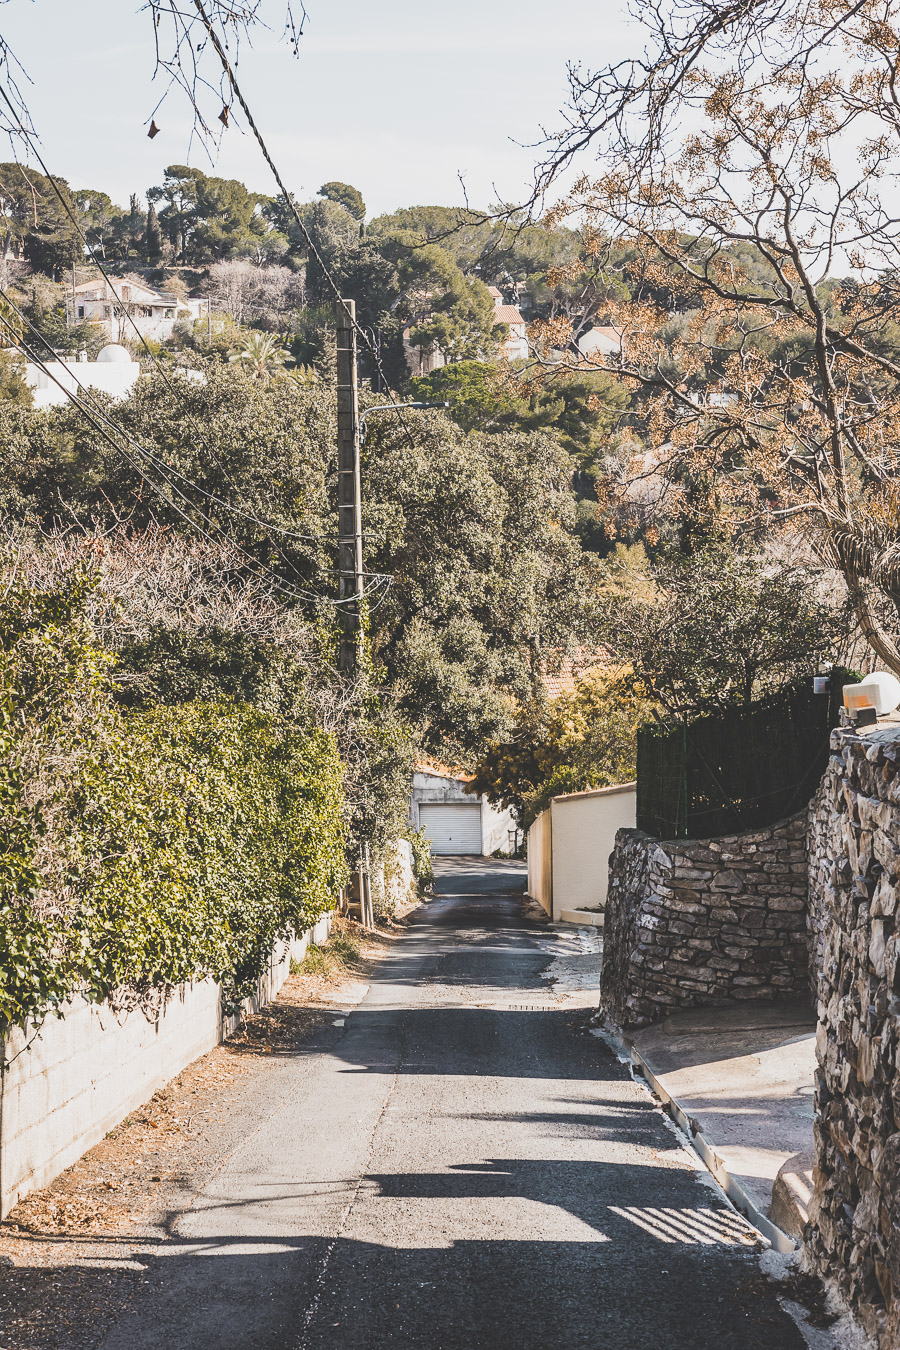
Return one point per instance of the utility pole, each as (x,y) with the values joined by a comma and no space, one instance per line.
(350,535)
(349,515)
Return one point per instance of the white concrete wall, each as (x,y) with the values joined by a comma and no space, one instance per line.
(66,1085)
(394,881)
(497,829)
(584,828)
(113,377)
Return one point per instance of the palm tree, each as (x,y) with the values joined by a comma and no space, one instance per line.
(303,377)
(264,353)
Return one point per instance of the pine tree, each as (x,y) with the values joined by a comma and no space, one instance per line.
(152,236)
(135,223)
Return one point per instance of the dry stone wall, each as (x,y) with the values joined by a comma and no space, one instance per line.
(701,923)
(854,1230)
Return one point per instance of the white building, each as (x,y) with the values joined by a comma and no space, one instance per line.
(599,342)
(113,372)
(514,346)
(456,822)
(123,306)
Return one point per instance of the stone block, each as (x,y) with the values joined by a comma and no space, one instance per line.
(787,903)
(887,852)
(727,880)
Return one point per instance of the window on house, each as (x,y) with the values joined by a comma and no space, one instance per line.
(81,311)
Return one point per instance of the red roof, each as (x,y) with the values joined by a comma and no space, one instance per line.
(438,770)
(565,680)
(507,314)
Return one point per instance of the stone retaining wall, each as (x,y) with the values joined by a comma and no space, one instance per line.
(702,923)
(854,1231)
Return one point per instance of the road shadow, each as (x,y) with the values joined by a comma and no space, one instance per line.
(628,1291)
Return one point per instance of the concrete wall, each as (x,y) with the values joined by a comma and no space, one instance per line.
(112,377)
(540,861)
(66,1085)
(584,835)
(854,1232)
(394,881)
(700,923)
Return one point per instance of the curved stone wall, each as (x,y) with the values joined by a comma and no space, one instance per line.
(699,923)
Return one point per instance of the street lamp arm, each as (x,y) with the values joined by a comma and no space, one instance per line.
(388,407)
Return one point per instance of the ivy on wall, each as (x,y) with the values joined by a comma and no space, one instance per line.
(146,847)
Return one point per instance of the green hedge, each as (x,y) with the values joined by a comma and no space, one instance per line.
(219,829)
(142,848)
(196,837)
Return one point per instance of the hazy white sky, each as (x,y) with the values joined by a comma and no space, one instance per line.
(397,98)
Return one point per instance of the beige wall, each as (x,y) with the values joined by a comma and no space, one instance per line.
(540,856)
(584,828)
(65,1086)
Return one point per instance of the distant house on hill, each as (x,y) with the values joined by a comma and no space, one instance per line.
(600,341)
(514,346)
(421,360)
(124,304)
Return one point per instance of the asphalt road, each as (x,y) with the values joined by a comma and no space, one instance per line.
(460,1165)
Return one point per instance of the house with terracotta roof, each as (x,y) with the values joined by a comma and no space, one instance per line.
(514,346)
(599,342)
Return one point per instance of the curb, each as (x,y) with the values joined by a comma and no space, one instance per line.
(778,1240)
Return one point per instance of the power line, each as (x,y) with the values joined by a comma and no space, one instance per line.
(371,347)
(164,468)
(30,136)
(292,207)
(102,423)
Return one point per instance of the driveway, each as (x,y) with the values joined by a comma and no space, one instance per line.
(459,1164)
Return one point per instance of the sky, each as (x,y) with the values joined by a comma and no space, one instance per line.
(399,98)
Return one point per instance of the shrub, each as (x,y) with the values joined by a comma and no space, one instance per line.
(421,859)
(585,739)
(209,832)
(146,847)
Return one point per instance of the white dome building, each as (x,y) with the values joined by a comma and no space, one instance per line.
(113,352)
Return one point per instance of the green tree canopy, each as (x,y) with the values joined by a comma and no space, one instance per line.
(347,196)
(487,576)
(721,628)
(34,219)
(207,219)
(579,740)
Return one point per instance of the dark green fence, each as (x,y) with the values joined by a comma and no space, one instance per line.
(739,769)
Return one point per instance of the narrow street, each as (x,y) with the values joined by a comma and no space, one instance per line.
(457,1165)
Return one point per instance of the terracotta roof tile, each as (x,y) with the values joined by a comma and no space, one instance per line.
(433,766)
(507,314)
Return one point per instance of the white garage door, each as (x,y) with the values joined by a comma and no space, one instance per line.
(452,829)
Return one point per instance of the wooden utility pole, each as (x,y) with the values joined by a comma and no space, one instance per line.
(349,515)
